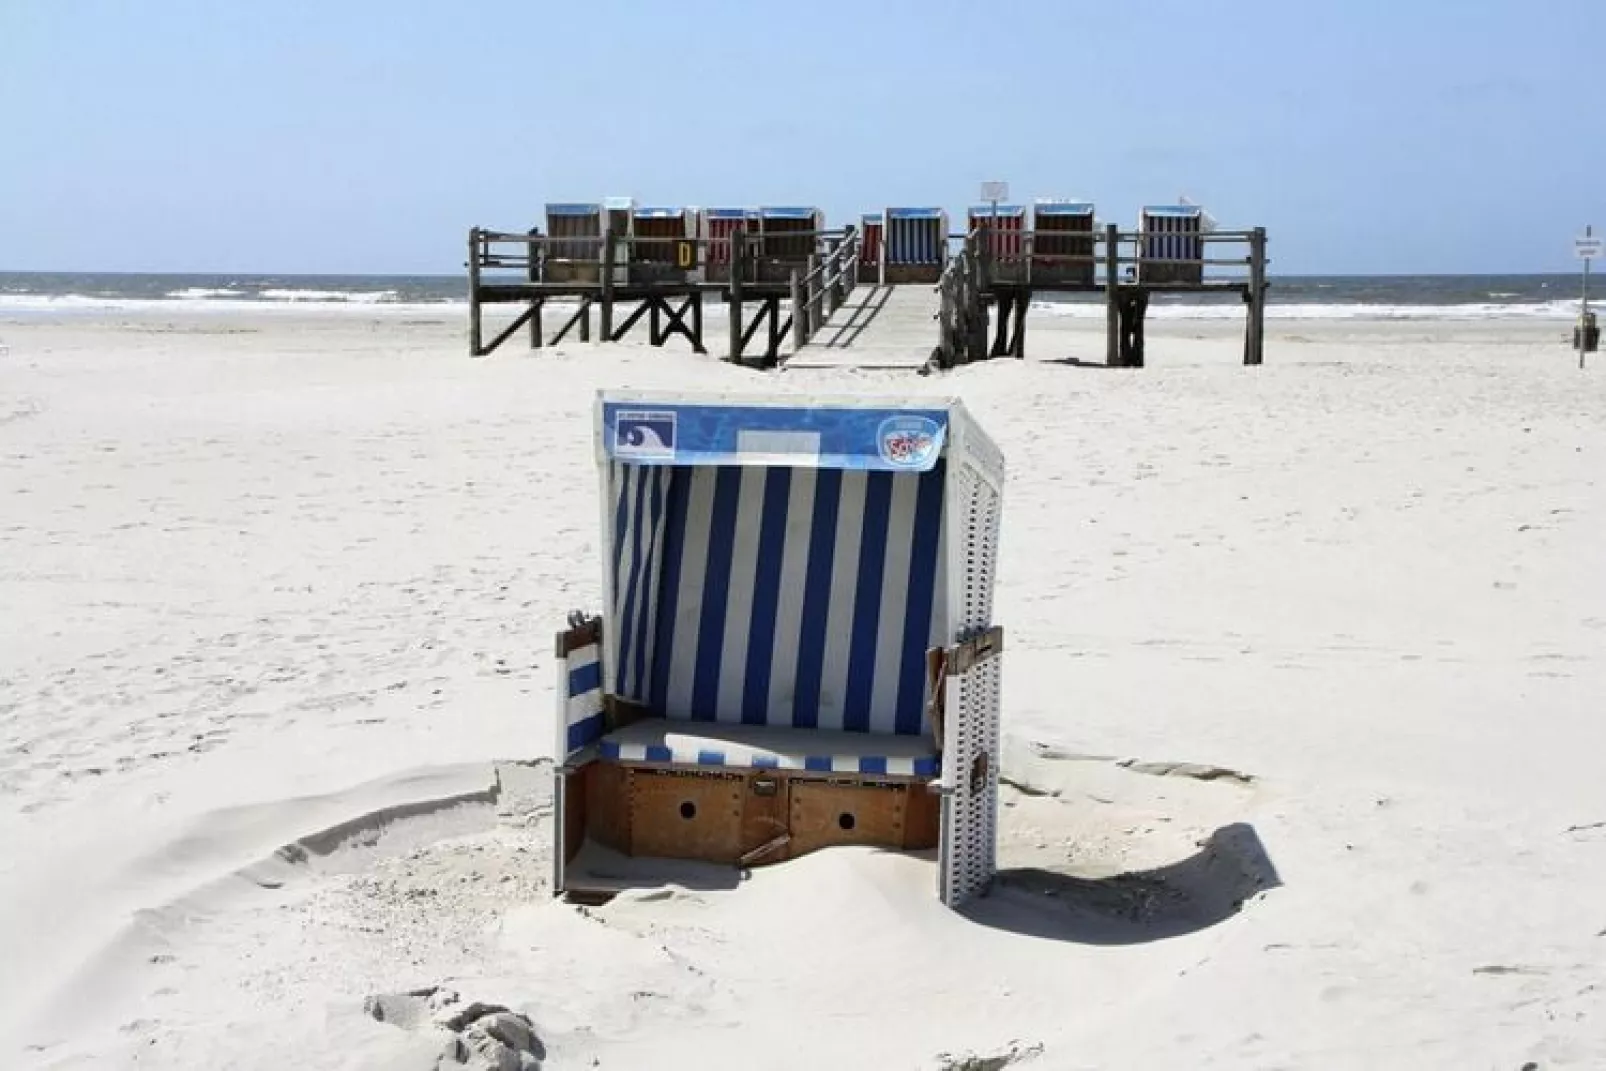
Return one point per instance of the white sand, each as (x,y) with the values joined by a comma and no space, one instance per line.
(291,580)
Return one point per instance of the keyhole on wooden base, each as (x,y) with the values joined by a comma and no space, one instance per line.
(846,821)
(688,810)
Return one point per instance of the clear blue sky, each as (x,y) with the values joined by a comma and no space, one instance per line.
(358,136)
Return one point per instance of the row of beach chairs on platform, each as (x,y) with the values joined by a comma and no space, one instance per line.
(1050,242)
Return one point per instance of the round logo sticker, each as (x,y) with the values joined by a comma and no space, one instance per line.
(907,441)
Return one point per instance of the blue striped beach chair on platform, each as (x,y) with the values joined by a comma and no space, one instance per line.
(1170,246)
(797,649)
(914,245)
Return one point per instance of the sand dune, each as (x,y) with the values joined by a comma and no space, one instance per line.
(1303,693)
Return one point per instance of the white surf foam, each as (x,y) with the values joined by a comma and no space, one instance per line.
(1548,310)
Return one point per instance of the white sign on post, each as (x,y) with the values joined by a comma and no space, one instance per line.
(993,192)
(1588,248)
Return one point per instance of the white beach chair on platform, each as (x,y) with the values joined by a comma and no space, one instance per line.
(798,648)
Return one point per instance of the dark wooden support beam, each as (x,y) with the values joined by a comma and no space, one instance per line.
(800,334)
(1018,345)
(738,256)
(532,272)
(582,316)
(675,321)
(606,318)
(752,328)
(1112,296)
(507,332)
(630,321)
(1255,329)
(1001,341)
(772,352)
(475,349)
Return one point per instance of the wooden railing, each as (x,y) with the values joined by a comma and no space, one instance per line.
(821,290)
(961,312)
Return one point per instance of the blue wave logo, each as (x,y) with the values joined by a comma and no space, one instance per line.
(644,434)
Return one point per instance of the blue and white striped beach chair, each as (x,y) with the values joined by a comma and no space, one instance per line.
(797,648)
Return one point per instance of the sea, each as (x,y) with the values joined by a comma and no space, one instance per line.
(1401,297)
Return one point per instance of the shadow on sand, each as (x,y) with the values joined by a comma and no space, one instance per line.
(1184,897)
(1077,362)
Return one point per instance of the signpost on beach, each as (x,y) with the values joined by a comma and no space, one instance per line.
(1586,248)
(992,193)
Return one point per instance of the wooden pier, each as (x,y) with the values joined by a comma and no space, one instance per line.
(779,294)
(977,289)
(771,302)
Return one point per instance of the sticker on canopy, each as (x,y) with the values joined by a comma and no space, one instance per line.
(644,433)
(908,442)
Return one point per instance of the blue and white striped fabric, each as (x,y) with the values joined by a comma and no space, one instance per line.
(776,596)
(768,749)
(1172,232)
(580,699)
(639,498)
(915,235)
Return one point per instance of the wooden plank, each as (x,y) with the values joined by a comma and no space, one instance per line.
(766,799)
(922,822)
(607,807)
(691,815)
(582,632)
(965,656)
(824,814)
(576,798)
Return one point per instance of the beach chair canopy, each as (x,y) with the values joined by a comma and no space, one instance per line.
(776,563)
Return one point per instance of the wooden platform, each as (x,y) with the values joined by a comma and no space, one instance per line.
(744,817)
(878,327)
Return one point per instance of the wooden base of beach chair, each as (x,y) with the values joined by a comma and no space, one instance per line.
(752,817)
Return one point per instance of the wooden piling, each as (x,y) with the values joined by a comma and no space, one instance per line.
(813,290)
(532,272)
(606,316)
(1021,305)
(738,255)
(772,352)
(800,336)
(475,347)
(1112,295)
(697,323)
(1255,329)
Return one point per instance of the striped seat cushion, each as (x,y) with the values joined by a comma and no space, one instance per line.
(764,747)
